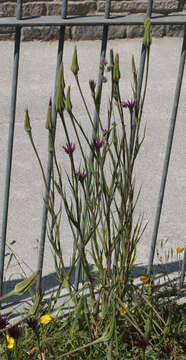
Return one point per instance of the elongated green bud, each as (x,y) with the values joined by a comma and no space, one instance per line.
(27,122)
(147,33)
(116,72)
(50,143)
(48,124)
(68,104)
(24,285)
(111,58)
(134,72)
(33,309)
(60,100)
(60,95)
(75,66)
(60,77)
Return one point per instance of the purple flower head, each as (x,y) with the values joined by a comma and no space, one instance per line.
(32,323)
(128,104)
(142,343)
(167,348)
(69,148)
(92,84)
(97,144)
(15,331)
(3,322)
(81,175)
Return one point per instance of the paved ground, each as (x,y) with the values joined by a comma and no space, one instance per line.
(36,83)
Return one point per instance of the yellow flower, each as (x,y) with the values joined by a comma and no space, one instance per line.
(147,285)
(179,249)
(144,278)
(45,319)
(9,343)
(123,310)
(72,332)
(132,256)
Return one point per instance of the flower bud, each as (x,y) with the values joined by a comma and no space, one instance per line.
(147,34)
(75,66)
(48,124)
(116,72)
(111,59)
(60,95)
(68,104)
(27,122)
(24,285)
(50,143)
(60,78)
(60,100)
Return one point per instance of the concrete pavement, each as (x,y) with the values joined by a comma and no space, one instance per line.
(36,84)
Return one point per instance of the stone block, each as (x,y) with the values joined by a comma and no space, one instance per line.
(174,30)
(34,9)
(86,32)
(117,32)
(135,31)
(74,8)
(43,33)
(135,6)
(8,9)
(158,30)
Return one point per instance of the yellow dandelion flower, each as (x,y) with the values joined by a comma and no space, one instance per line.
(45,319)
(147,285)
(144,278)
(72,332)
(179,249)
(123,310)
(9,342)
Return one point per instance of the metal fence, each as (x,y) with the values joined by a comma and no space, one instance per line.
(62,21)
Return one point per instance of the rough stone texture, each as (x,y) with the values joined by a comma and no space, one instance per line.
(89,7)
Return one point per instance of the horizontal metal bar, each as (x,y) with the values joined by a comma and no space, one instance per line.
(92,20)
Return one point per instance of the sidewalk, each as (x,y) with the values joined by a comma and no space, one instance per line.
(36,84)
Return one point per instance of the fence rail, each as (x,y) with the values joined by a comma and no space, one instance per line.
(18,22)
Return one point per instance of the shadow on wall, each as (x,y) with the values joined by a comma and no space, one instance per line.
(50,282)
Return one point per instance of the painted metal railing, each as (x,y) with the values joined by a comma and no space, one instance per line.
(62,21)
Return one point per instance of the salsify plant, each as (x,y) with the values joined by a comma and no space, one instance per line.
(98,193)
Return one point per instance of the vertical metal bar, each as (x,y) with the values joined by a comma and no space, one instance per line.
(168,151)
(140,76)
(49,166)
(10,146)
(19,10)
(183,269)
(99,86)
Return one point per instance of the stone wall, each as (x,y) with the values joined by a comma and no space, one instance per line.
(89,7)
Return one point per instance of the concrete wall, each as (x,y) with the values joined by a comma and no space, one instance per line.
(85,7)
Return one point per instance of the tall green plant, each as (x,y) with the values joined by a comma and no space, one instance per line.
(101,200)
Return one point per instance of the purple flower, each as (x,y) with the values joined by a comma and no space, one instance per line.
(69,148)
(81,175)
(32,323)
(142,343)
(3,322)
(92,84)
(167,348)
(97,144)
(128,104)
(15,331)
